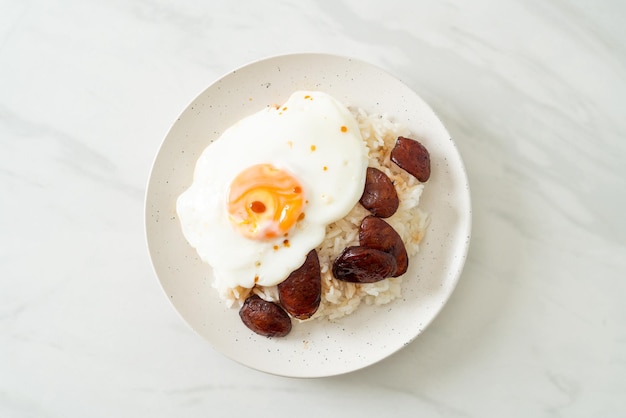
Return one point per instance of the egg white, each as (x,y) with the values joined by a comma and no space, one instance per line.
(304,137)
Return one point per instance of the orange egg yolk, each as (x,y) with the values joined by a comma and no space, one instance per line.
(264,202)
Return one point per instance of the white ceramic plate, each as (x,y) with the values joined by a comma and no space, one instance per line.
(315,348)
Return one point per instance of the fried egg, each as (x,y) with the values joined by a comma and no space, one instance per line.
(265,190)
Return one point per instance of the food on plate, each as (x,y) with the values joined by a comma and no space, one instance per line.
(379,195)
(265,318)
(413,157)
(286,207)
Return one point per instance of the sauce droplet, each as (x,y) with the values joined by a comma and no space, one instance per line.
(344,129)
(257,207)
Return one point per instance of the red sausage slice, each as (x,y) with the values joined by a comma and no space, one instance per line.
(300,294)
(412,157)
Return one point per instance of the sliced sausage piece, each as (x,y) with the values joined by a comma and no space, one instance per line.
(265,318)
(378,234)
(359,264)
(300,293)
(412,157)
(379,196)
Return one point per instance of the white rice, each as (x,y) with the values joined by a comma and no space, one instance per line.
(342,298)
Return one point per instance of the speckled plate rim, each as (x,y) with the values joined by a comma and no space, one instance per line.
(314,348)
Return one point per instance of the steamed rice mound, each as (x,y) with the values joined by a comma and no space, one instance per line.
(342,298)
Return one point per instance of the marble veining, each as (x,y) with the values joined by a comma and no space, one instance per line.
(533,95)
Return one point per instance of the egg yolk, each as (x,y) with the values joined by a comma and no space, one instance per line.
(264,202)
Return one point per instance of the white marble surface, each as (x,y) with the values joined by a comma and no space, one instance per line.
(534,94)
